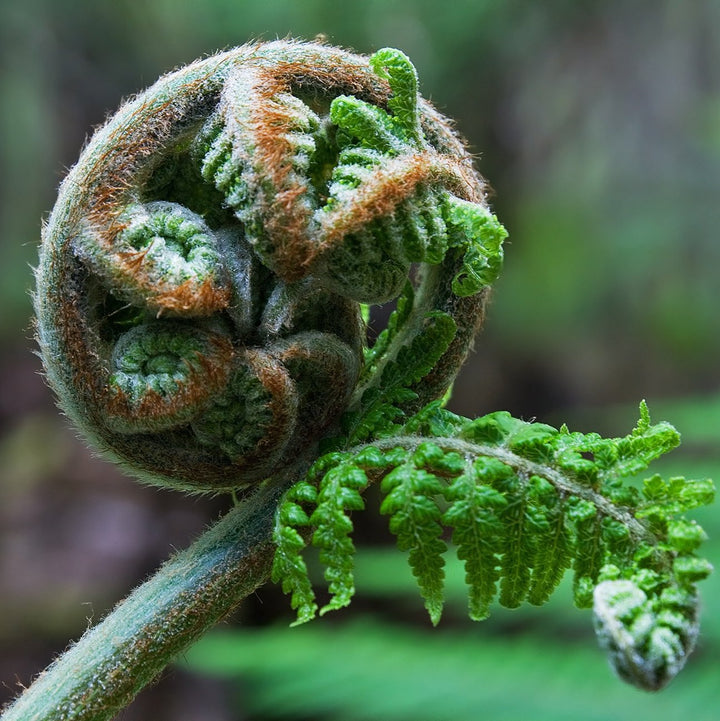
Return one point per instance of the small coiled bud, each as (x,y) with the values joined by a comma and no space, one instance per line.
(164,373)
(648,636)
(200,275)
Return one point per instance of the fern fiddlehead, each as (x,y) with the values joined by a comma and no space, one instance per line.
(198,314)
(199,281)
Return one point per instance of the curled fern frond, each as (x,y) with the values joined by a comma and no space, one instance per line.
(200,278)
(201,304)
(648,634)
(526,502)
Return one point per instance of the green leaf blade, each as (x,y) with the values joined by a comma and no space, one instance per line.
(553,555)
(415,520)
(338,493)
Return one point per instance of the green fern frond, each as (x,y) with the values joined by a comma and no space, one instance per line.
(479,233)
(554,551)
(523,520)
(663,498)
(589,549)
(395,67)
(415,361)
(380,409)
(524,502)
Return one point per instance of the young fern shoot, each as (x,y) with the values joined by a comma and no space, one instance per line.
(201,305)
(524,503)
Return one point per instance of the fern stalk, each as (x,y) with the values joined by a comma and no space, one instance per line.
(103,671)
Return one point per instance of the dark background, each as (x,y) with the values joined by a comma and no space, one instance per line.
(597,124)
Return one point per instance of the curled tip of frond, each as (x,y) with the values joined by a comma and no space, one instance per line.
(648,636)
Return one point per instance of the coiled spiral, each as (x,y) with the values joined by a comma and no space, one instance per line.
(200,276)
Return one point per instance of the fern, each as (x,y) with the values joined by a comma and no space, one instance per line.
(477,529)
(553,555)
(415,519)
(289,567)
(246,206)
(380,406)
(395,323)
(522,520)
(524,503)
(338,493)
(424,227)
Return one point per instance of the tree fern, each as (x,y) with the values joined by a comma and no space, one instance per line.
(523,519)
(199,304)
(289,567)
(554,552)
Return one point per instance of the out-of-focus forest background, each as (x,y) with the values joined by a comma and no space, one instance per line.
(597,123)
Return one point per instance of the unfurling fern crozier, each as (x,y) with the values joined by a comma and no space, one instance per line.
(523,503)
(200,278)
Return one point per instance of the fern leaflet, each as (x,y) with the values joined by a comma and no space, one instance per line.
(415,520)
(338,493)
(477,529)
(289,567)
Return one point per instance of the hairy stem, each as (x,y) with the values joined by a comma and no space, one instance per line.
(98,676)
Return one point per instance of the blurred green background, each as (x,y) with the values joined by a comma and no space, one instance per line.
(597,123)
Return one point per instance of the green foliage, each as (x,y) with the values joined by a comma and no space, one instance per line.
(381,405)
(395,67)
(415,519)
(338,493)
(425,226)
(395,323)
(477,530)
(525,502)
(289,567)
(483,257)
